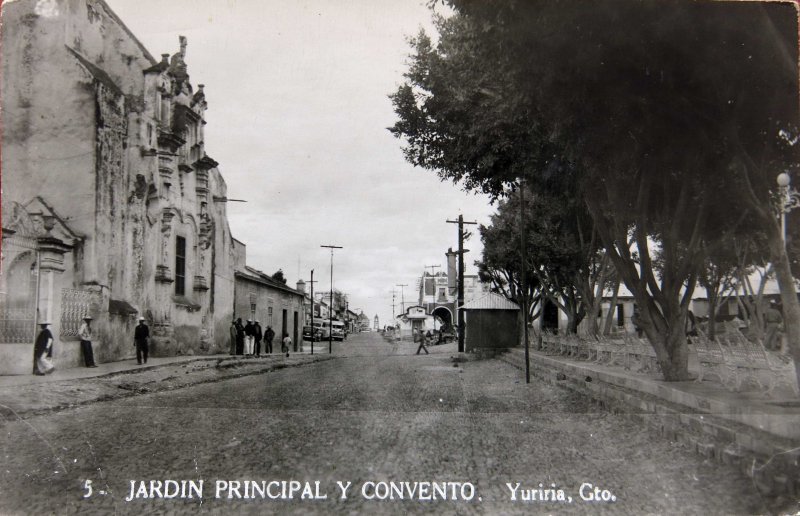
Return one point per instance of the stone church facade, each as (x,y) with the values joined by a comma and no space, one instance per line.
(111,206)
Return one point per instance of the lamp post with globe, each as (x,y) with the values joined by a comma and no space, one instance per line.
(789,200)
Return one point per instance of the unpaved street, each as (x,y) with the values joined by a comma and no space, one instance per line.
(375,414)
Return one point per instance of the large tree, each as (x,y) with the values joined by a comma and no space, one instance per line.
(667,113)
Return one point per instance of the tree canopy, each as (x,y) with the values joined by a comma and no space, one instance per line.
(279,277)
(661,117)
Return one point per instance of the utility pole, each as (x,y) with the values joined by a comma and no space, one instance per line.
(330,308)
(312,311)
(394,292)
(460,302)
(402,297)
(433,277)
(523,287)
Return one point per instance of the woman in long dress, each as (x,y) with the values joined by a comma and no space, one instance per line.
(42,346)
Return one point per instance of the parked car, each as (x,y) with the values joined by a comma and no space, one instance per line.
(320,328)
(337,330)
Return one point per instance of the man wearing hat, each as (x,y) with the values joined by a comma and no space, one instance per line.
(43,346)
(258,336)
(249,337)
(85,334)
(141,335)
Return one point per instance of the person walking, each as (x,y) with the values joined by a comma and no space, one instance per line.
(772,321)
(249,337)
(239,337)
(422,341)
(85,334)
(268,336)
(233,337)
(286,344)
(141,338)
(43,347)
(258,336)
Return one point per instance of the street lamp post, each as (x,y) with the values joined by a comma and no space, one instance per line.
(789,200)
(330,308)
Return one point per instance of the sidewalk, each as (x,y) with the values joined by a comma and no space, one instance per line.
(110,368)
(26,395)
(126,366)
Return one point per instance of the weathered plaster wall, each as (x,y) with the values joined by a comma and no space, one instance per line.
(47,118)
(81,130)
(221,280)
(267,297)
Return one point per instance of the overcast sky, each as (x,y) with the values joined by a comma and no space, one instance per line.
(297,117)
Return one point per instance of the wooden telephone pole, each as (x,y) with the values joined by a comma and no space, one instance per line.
(460,302)
(433,277)
(402,297)
(330,308)
(312,311)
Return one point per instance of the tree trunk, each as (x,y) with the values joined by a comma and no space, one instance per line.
(671,350)
(712,313)
(612,309)
(676,368)
(668,338)
(572,323)
(791,307)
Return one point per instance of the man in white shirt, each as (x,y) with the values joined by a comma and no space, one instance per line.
(85,334)
(286,344)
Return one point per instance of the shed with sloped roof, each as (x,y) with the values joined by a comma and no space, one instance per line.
(492,322)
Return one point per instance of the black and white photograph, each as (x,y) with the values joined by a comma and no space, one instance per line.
(400,257)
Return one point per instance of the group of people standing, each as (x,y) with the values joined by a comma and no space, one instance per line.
(43,346)
(246,339)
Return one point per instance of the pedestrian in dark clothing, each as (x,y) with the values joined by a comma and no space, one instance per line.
(422,341)
(268,336)
(239,337)
(233,338)
(259,336)
(141,338)
(85,334)
(43,347)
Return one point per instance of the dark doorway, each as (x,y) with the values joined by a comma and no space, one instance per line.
(285,326)
(444,315)
(295,337)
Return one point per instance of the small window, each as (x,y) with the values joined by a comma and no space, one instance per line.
(180,266)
